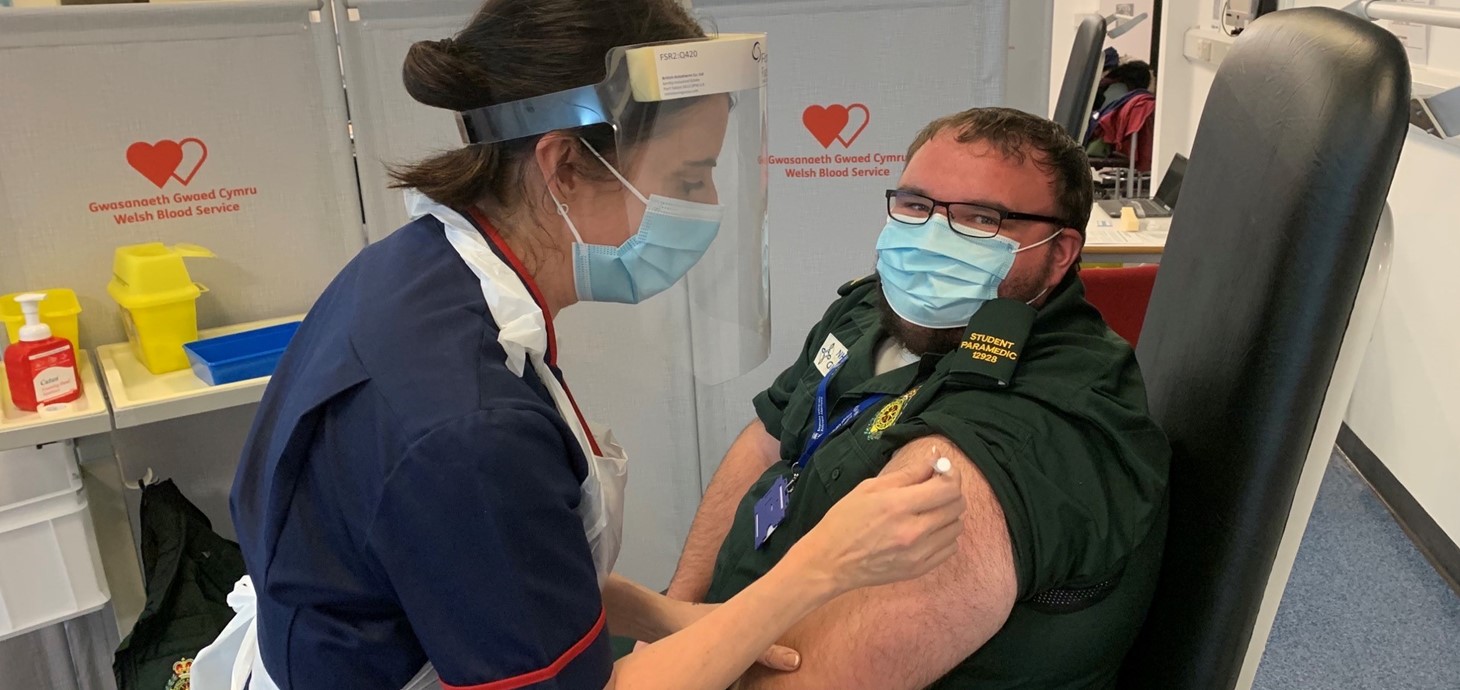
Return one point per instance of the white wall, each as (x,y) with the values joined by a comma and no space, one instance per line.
(1445,45)
(1406,406)
(1182,85)
(1136,43)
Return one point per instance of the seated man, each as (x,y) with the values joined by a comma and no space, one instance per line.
(973,342)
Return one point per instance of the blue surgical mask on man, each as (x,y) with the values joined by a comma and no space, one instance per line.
(672,237)
(935,278)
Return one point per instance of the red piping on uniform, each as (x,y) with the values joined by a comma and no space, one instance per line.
(592,440)
(543,674)
(521,270)
(490,231)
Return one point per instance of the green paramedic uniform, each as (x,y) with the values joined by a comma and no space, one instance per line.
(1051,408)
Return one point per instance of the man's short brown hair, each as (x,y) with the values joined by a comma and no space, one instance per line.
(1017,134)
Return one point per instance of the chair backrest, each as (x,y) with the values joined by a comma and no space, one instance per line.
(1121,295)
(1082,75)
(1253,324)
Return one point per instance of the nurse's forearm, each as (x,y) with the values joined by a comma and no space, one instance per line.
(753,452)
(714,651)
(636,612)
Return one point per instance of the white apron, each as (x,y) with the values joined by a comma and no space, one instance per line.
(233,659)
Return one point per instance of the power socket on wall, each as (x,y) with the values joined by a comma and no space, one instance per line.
(1206,46)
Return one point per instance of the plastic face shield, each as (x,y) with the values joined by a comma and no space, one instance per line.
(689,124)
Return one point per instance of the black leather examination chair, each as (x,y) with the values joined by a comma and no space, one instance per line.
(1266,298)
(1082,76)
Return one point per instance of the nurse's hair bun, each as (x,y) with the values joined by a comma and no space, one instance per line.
(516,49)
(436,73)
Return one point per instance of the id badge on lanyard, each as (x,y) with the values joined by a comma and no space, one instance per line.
(770,510)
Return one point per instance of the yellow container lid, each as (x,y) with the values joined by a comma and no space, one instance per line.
(145,275)
(59,303)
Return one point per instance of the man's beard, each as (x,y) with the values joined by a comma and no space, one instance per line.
(921,340)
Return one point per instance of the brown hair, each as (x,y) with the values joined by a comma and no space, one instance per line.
(1017,134)
(516,49)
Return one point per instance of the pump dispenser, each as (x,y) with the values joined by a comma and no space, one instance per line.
(41,368)
(34,329)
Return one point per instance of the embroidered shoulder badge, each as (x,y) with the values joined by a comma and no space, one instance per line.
(182,673)
(889,415)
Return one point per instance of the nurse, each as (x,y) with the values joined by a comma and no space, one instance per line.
(420,502)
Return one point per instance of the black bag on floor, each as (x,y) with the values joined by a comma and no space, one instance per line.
(189,571)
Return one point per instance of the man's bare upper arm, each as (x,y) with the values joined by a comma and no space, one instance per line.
(909,634)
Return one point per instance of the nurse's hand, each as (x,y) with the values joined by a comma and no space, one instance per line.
(894,527)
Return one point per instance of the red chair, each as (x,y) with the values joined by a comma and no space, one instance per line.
(1121,296)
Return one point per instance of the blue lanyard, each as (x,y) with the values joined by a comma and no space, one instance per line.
(821,432)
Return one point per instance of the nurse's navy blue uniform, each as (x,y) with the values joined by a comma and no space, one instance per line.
(404,496)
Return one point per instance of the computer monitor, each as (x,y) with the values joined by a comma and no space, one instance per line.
(1444,109)
(1159,206)
(1170,185)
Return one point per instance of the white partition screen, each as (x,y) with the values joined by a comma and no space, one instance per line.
(852,82)
(220,124)
(216,123)
(389,126)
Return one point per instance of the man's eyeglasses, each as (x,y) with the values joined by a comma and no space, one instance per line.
(969,220)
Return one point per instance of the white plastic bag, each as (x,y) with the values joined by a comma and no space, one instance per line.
(602,507)
(232,662)
(233,658)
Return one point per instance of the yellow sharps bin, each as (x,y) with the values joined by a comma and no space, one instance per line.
(159,301)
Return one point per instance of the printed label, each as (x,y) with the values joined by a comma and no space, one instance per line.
(57,374)
(832,353)
(726,64)
(55,382)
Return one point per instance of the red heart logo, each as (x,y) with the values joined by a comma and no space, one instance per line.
(866,120)
(826,124)
(195,156)
(162,161)
(156,161)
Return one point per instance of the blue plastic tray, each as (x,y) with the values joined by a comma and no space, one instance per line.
(241,356)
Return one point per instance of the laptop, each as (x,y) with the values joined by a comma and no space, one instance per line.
(1159,206)
(1438,114)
